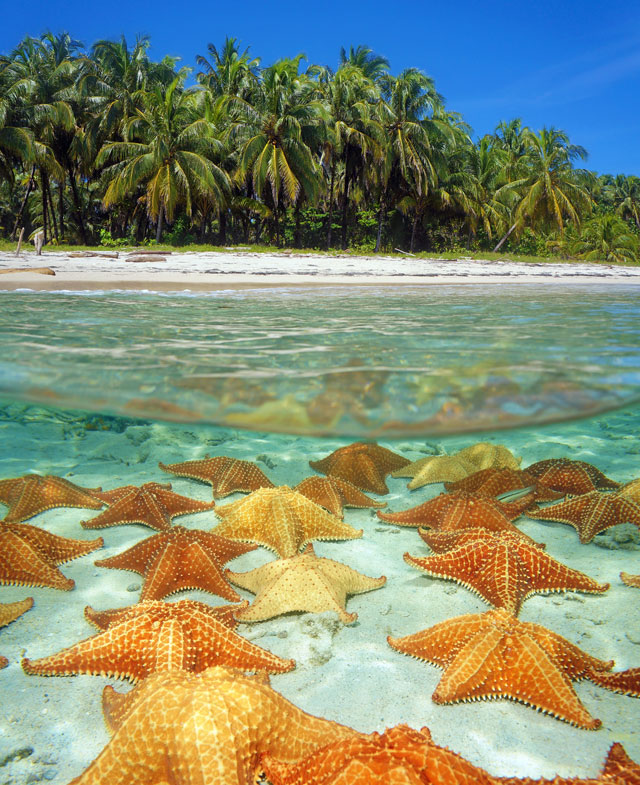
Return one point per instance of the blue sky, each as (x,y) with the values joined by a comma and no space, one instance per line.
(574,65)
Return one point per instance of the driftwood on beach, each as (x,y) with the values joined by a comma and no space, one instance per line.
(83,254)
(148,252)
(146,258)
(39,270)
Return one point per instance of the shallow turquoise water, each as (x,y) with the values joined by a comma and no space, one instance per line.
(517,356)
(362,363)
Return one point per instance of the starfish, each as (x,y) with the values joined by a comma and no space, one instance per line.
(494,482)
(152,504)
(33,493)
(281,520)
(30,556)
(630,580)
(618,769)
(458,510)
(450,468)
(501,567)
(625,682)
(153,637)
(398,756)
(225,475)
(202,729)
(631,491)
(494,655)
(591,513)
(9,612)
(302,582)
(333,494)
(570,477)
(363,465)
(180,559)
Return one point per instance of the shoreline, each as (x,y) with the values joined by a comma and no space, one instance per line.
(217,271)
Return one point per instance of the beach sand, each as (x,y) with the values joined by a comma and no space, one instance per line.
(207,271)
(51,728)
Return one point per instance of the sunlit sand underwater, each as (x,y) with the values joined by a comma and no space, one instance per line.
(52,728)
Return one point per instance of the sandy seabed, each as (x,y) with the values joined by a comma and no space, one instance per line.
(51,728)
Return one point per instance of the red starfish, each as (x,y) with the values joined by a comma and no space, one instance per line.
(363,465)
(494,482)
(180,559)
(33,493)
(591,513)
(501,567)
(333,494)
(29,556)
(152,504)
(570,477)
(225,475)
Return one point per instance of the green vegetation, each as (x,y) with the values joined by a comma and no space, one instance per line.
(106,147)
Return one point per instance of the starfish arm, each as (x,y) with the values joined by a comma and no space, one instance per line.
(10,611)
(351,581)
(322,492)
(439,644)
(260,578)
(22,564)
(58,550)
(124,651)
(242,476)
(134,559)
(545,574)
(167,505)
(32,494)
(203,470)
(625,682)
(630,580)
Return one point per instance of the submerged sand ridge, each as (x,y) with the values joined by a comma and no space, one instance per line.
(202,271)
(344,673)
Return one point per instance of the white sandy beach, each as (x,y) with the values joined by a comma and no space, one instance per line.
(198,271)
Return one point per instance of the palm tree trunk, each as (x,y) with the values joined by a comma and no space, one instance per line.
(413,233)
(159,225)
(296,231)
(499,245)
(30,185)
(330,216)
(277,223)
(51,210)
(345,201)
(76,203)
(44,207)
(381,216)
(61,208)
(222,237)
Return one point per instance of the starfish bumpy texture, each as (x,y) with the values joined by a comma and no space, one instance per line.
(334,494)
(153,637)
(180,559)
(281,520)
(494,655)
(32,494)
(225,475)
(303,582)
(203,729)
(10,611)
(571,477)
(362,464)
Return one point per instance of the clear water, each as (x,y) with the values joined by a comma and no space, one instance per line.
(428,364)
(429,360)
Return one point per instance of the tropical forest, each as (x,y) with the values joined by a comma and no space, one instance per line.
(104,146)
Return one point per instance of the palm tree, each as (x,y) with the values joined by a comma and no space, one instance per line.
(624,192)
(548,190)
(169,149)
(607,237)
(276,131)
(228,72)
(373,66)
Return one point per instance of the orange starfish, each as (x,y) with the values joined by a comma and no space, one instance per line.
(625,682)
(180,559)
(500,567)
(225,475)
(152,504)
(591,513)
(334,494)
(281,520)
(630,580)
(494,482)
(29,556)
(570,477)
(495,655)
(9,612)
(153,637)
(363,465)
(460,510)
(33,493)
(618,769)
(398,756)
(205,728)
(302,582)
